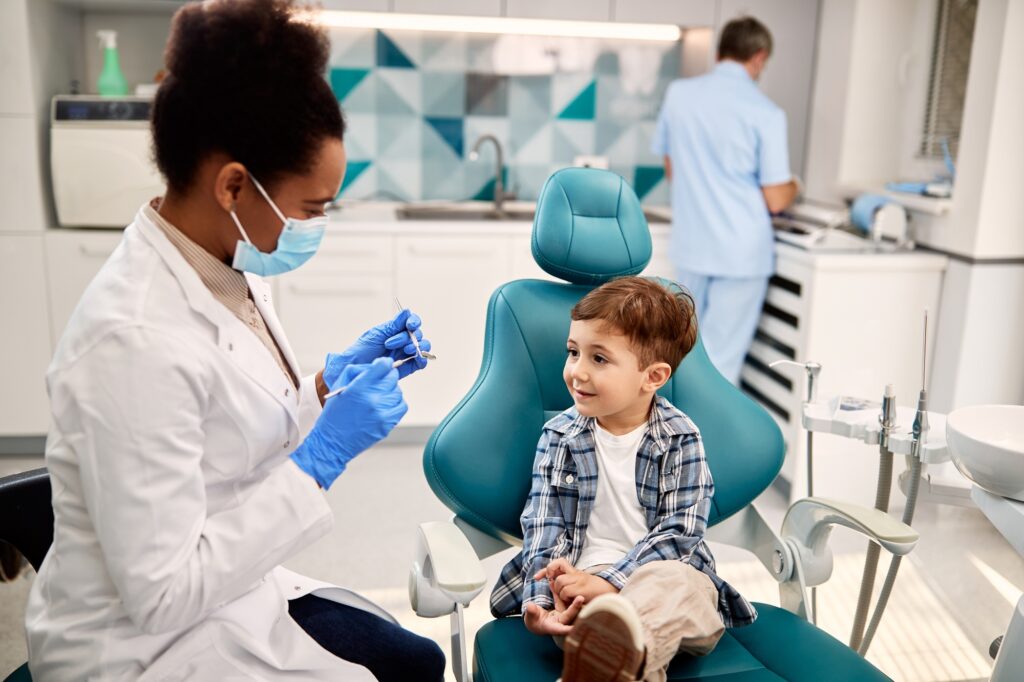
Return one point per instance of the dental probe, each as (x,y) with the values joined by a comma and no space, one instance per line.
(415,343)
(394,365)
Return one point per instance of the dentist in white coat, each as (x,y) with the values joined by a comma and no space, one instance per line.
(188,454)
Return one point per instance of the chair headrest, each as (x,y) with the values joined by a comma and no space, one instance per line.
(589,227)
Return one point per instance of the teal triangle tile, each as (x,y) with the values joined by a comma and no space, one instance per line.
(583,106)
(353,48)
(344,81)
(486,193)
(407,84)
(352,173)
(360,135)
(486,94)
(444,94)
(528,179)
(363,186)
(530,141)
(362,99)
(389,54)
(450,130)
(398,136)
(645,178)
(607,134)
(388,187)
(405,175)
(444,52)
(670,66)
(443,180)
(529,97)
(580,136)
(389,102)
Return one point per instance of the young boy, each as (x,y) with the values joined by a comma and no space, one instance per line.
(613,529)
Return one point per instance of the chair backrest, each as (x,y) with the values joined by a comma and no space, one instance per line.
(26,514)
(588,229)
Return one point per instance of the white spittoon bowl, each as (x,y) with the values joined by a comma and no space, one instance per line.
(987,446)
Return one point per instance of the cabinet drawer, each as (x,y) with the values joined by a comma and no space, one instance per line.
(25,343)
(325,313)
(448,281)
(343,254)
(73,258)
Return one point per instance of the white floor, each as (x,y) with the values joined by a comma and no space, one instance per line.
(953,596)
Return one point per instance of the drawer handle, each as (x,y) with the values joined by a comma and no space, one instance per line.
(93,253)
(449,253)
(330,291)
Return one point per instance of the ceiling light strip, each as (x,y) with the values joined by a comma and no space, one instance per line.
(501,25)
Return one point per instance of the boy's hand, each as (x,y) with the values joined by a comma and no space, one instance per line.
(540,621)
(568,582)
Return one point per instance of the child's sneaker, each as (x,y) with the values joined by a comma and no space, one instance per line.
(606,643)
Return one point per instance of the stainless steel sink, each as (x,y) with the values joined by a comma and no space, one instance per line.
(481,211)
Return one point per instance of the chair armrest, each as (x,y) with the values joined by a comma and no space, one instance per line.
(808,525)
(445,572)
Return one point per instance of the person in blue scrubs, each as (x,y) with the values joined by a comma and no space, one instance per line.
(725,150)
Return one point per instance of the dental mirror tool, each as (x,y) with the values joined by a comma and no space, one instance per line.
(415,343)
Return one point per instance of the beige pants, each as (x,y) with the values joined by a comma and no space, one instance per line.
(678,608)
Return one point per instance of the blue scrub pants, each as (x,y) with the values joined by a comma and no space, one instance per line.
(390,652)
(728,309)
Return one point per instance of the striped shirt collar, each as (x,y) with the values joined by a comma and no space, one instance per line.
(224,282)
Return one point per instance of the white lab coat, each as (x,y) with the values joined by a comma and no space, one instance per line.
(174,496)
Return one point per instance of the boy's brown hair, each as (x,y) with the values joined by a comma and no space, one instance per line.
(661,324)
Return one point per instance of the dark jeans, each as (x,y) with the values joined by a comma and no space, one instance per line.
(390,652)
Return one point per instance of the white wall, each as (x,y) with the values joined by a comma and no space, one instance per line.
(870,89)
(867,114)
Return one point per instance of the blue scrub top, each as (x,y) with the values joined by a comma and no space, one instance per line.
(725,140)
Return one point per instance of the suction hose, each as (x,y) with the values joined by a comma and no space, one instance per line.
(894,564)
(867,583)
(887,422)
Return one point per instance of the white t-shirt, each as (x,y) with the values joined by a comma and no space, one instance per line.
(617,521)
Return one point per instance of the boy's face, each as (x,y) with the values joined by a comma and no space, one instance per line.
(604,376)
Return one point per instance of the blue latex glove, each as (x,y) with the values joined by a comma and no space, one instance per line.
(352,421)
(388,339)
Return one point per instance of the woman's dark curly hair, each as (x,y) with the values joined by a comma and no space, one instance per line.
(245,78)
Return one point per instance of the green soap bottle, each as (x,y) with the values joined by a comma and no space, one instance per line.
(111,82)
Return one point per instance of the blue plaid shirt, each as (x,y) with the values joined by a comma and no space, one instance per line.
(673,484)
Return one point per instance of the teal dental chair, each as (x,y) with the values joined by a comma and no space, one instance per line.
(588,229)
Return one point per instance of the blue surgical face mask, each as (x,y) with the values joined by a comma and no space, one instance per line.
(296,244)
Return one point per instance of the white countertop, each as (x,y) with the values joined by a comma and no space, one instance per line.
(380,217)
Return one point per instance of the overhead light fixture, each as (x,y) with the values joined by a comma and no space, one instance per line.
(502,25)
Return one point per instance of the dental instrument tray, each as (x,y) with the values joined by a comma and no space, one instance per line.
(857,419)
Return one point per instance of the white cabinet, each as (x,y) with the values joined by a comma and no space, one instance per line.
(25,342)
(860,316)
(15,70)
(579,10)
(73,257)
(21,180)
(346,289)
(679,12)
(448,280)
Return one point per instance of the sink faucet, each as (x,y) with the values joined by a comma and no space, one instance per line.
(499,189)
